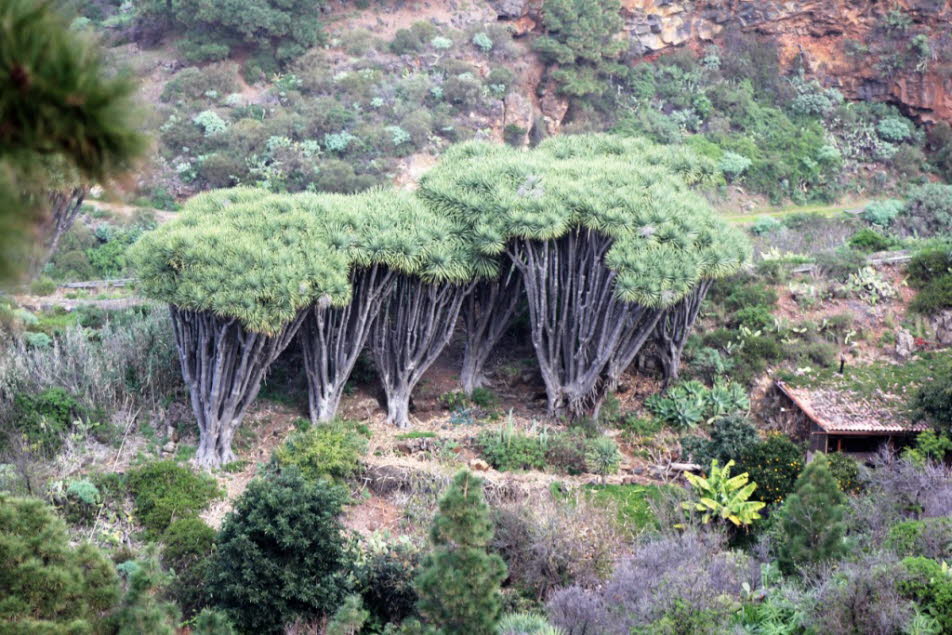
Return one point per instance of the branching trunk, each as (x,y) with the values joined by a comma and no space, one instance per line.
(581,332)
(64,206)
(415,324)
(223,365)
(673,329)
(486,313)
(332,338)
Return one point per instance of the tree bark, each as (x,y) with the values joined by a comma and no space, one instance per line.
(332,338)
(671,333)
(223,365)
(415,324)
(582,333)
(486,314)
(64,206)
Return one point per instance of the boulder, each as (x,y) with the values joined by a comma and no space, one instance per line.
(478,465)
(905,344)
(942,324)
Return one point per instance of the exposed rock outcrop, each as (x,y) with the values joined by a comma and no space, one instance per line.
(818,32)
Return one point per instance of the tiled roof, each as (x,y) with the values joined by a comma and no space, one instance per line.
(838,411)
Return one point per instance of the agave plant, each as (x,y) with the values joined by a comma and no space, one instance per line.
(723,497)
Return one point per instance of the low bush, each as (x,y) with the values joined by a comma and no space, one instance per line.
(602,456)
(869,240)
(774,465)
(329,449)
(507,449)
(280,554)
(731,437)
(164,491)
(934,297)
(928,265)
(525,624)
(384,574)
(552,543)
(882,213)
(45,418)
(677,584)
(690,403)
(860,597)
(48,585)
(187,545)
(42,286)
(928,210)
(929,537)
(566,453)
(930,585)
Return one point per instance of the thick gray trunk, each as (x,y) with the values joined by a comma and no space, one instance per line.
(671,333)
(413,327)
(486,314)
(223,366)
(64,207)
(583,335)
(331,339)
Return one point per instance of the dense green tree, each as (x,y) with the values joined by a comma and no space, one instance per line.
(142,610)
(933,401)
(283,28)
(64,122)
(459,582)
(812,518)
(605,236)
(47,585)
(280,554)
(581,43)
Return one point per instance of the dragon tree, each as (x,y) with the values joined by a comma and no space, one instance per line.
(239,269)
(407,263)
(607,237)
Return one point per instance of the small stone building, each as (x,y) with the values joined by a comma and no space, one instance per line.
(833,421)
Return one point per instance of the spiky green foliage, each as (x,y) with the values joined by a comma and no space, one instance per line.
(280,554)
(61,116)
(262,257)
(459,582)
(46,585)
(812,518)
(665,237)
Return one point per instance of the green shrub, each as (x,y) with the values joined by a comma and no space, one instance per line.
(566,453)
(349,618)
(81,502)
(774,465)
(731,437)
(326,449)
(690,403)
(930,585)
(845,471)
(753,317)
(934,297)
(602,456)
(40,341)
(483,42)
(43,286)
(841,263)
(765,225)
(929,264)
(928,210)
(930,536)
(893,129)
(212,622)
(46,417)
(164,491)
(506,449)
(280,554)
(933,401)
(525,624)
(186,548)
(384,573)
(413,39)
(47,585)
(869,240)
(882,213)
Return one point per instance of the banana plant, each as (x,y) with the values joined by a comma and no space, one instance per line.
(724,497)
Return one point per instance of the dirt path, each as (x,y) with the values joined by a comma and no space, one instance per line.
(847,206)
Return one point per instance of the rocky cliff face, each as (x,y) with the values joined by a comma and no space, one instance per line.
(866,49)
